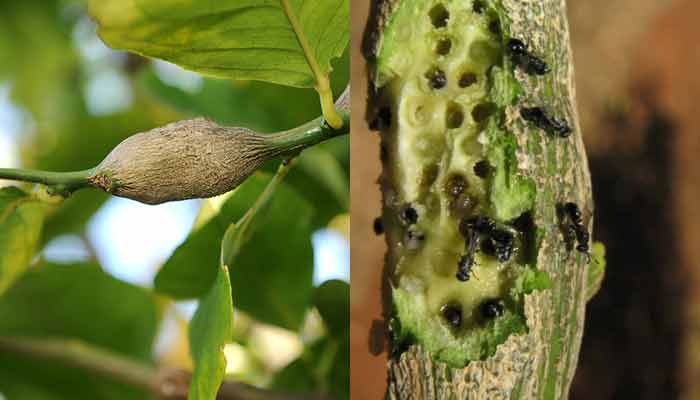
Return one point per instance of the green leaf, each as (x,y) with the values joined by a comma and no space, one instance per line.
(237,39)
(73,214)
(237,234)
(272,274)
(21,218)
(278,256)
(211,328)
(74,302)
(246,103)
(303,374)
(324,367)
(192,268)
(332,299)
(340,373)
(294,378)
(320,166)
(38,58)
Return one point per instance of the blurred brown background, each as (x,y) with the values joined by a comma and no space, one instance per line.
(638,83)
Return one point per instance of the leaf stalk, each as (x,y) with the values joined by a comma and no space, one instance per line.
(323,86)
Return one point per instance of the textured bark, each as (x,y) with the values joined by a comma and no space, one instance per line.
(541,363)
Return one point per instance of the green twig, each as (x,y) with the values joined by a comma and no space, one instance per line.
(84,356)
(323,86)
(164,383)
(65,181)
(307,135)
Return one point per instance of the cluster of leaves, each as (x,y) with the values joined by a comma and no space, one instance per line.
(265,270)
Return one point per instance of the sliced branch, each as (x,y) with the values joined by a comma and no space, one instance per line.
(486,277)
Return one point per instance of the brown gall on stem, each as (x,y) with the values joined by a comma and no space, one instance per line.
(197,158)
(188,159)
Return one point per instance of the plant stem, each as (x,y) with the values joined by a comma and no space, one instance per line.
(286,143)
(66,180)
(309,134)
(323,86)
(166,383)
(82,355)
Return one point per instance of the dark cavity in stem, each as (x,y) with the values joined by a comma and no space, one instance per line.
(491,308)
(436,78)
(452,314)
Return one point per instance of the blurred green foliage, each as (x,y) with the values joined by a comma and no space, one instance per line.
(78,302)
(193,266)
(21,218)
(272,272)
(48,70)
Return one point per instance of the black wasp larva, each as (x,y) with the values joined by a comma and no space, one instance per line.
(521,56)
(542,120)
(574,230)
(491,308)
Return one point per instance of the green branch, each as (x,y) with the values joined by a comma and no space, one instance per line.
(165,383)
(68,181)
(81,355)
(309,134)
(323,86)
